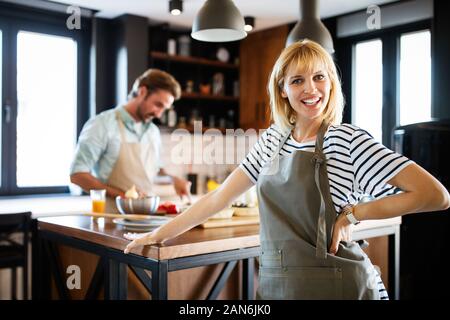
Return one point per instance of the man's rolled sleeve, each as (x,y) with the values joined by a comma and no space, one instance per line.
(91,145)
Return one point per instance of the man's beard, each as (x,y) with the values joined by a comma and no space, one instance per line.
(142,117)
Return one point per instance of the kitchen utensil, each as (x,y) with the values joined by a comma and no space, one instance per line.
(145,205)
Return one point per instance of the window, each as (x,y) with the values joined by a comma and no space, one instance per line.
(44,98)
(415,77)
(368,87)
(1,106)
(386,78)
(46,108)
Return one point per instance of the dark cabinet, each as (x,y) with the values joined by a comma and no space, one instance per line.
(424,236)
(210,87)
(258,53)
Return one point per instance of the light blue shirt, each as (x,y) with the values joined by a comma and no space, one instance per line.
(99,142)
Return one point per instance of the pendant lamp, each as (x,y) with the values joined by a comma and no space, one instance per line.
(249,23)
(218,21)
(175,7)
(309,26)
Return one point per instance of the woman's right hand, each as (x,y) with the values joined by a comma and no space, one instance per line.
(138,239)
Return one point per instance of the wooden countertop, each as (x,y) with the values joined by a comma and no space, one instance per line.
(196,241)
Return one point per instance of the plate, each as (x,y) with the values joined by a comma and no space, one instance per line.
(153,222)
(223,54)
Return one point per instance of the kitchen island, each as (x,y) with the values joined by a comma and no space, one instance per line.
(194,265)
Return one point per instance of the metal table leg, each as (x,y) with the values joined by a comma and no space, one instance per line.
(159,281)
(247,279)
(394,264)
(116,280)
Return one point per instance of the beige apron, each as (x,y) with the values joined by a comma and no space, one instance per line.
(297,218)
(131,167)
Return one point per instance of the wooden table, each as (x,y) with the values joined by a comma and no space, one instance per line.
(197,247)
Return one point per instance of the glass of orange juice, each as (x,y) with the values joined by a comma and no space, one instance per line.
(98,198)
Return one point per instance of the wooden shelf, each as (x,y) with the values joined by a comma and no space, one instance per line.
(196,95)
(193,60)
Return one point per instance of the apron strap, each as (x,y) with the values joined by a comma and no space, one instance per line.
(121,126)
(319,159)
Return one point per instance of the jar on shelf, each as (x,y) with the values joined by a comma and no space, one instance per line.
(172,118)
(182,123)
(184,44)
(189,86)
(172,47)
(218,84)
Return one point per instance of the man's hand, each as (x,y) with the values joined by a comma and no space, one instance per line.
(182,187)
(342,231)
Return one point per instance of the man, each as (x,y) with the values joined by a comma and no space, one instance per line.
(121,147)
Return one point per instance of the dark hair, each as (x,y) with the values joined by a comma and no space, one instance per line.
(155,79)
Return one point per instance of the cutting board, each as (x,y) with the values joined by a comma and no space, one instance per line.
(234,221)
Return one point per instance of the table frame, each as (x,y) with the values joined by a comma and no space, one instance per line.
(111,271)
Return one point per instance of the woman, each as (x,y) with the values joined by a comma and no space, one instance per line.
(311,171)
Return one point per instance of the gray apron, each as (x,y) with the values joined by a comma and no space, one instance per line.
(297,218)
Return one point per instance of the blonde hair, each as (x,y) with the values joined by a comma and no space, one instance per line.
(306,55)
(155,79)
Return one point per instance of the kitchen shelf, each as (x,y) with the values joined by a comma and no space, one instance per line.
(195,95)
(194,60)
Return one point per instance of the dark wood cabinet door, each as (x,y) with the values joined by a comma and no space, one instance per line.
(258,53)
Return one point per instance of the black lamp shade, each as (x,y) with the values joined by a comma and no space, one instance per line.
(218,21)
(175,7)
(310,27)
(249,23)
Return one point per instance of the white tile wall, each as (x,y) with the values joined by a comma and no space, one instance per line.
(208,154)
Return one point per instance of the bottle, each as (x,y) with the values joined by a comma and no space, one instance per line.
(164,119)
(230,119)
(172,118)
(182,123)
(171,47)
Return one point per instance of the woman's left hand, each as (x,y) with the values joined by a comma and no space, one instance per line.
(342,231)
(138,239)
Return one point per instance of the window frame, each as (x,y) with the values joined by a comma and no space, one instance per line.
(14,19)
(390,38)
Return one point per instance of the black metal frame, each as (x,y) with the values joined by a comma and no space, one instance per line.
(390,38)
(111,270)
(16,18)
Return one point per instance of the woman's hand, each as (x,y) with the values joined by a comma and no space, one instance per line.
(342,231)
(139,239)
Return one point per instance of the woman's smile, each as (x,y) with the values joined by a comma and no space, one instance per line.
(311,102)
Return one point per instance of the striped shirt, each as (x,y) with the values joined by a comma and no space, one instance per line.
(357,165)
